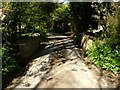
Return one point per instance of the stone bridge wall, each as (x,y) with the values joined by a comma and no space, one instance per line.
(28,46)
(86,42)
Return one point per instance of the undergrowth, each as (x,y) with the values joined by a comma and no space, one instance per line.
(8,62)
(105,55)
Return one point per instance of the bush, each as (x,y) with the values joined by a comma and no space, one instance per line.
(8,62)
(43,35)
(105,56)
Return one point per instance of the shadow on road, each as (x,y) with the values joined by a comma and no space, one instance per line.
(55,44)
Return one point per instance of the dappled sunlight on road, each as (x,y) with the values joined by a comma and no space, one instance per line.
(59,65)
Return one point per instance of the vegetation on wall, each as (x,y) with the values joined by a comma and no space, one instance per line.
(107,53)
(23,19)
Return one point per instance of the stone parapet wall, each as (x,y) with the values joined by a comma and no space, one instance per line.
(86,42)
(28,46)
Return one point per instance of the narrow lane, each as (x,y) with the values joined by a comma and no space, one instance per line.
(59,65)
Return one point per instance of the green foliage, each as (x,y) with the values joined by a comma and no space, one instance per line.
(76,39)
(113,21)
(21,19)
(8,62)
(0,51)
(81,15)
(43,35)
(107,53)
(61,18)
(105,56)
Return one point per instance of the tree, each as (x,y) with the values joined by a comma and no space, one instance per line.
(81,15)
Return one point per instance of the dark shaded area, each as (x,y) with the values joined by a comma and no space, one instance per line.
(81,13)
(56,50)
(21,69)
(61,26)
(7,79)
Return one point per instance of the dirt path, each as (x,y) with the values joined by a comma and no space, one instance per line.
(59,65)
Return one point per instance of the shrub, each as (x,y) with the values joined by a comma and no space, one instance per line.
(105,56)
(8,62)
